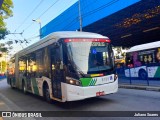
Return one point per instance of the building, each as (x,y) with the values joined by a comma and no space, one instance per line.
(125,22)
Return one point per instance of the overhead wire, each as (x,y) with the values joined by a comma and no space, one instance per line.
(42,14)
(83,15)
(76,14)
(86,5)
(16,39)
(91,12)
(29,15)
(100,8)
(21,41)
(59,22)
(74,20)
(48,8)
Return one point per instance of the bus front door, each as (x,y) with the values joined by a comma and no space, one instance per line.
(57,74)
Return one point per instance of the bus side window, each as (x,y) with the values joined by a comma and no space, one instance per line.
(22,65)
(129,61)
(32,66)
(39,64)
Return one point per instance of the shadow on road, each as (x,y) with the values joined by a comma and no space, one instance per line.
(96,101)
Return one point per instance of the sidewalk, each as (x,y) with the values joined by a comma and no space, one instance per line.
(139,87)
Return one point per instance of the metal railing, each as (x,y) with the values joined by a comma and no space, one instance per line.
(134,77)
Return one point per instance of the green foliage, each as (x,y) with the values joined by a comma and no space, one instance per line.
(5,12)
(3,32)
(3,48)
(6,7)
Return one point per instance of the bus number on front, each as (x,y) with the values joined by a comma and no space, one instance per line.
(98,43)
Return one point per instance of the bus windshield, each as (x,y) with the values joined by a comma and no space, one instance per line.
(90,55)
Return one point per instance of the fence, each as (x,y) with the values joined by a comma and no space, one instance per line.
(138,76)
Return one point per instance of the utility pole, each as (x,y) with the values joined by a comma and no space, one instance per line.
(80,15)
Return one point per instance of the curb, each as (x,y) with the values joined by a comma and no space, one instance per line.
(140,87)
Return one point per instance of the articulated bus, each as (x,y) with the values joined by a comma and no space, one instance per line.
(65,66)
(143,61)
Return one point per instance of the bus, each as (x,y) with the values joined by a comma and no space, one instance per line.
(66,66)
(143,61)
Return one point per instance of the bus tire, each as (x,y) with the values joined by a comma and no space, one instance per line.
(143,74)
(24,87)
(46,93)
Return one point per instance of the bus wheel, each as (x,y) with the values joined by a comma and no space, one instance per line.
(24,87)
(143,74)
(46,93)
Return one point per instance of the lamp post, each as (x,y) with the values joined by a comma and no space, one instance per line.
(39,22)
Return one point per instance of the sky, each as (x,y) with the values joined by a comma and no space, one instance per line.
(24,12)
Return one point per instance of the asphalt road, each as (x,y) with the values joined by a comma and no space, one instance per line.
(124,100)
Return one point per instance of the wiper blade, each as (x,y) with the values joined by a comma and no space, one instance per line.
(79,70)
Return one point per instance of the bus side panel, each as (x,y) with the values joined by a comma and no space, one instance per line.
(154,72)
(147,60)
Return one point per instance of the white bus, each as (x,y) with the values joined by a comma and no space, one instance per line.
(66,66)
(143,61)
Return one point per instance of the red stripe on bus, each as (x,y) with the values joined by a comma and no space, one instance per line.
(87,40)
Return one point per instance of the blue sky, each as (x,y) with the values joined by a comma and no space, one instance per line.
(22,8)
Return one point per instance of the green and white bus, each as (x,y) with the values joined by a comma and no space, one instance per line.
(66,66)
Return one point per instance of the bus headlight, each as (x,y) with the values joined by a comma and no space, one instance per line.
(74,82)
(115,77)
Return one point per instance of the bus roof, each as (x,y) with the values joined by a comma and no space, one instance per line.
(54,37)
(76,34)
(144,46)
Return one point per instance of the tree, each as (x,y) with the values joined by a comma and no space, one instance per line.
(5,12)
(3,66)
(3,48)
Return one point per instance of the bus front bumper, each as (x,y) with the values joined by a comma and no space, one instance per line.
(73,93)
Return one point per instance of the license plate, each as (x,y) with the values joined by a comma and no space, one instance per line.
(100,93)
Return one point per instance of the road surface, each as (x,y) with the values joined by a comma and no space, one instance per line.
(124,100)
